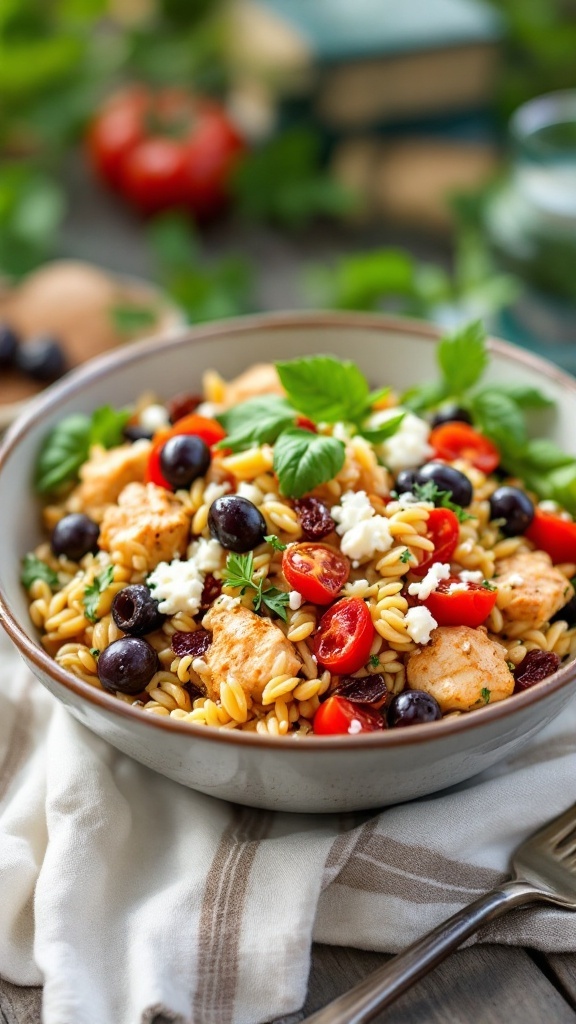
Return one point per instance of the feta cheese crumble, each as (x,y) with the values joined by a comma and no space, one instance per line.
(178,585)
(363,533)
(423,589)
(153,418)
(295,600)
(471,576)
(419,624)
(249,491)
(408,447)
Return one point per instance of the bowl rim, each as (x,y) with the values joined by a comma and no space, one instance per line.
(237,329)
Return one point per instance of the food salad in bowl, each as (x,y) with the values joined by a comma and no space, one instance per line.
(308,555)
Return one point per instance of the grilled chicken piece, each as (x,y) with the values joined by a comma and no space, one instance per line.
(531,589)
(105,475)
(247,648)
(462,668)
(146,527)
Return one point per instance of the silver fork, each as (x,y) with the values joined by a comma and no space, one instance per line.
(543,871)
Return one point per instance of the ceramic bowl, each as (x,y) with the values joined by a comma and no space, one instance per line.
(339,773)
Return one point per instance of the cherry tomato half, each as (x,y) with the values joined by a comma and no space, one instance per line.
(344,638)
(209,430)
(456,440)
(554,535)
(317,571)
(468,607)
(338,715)
(443,531)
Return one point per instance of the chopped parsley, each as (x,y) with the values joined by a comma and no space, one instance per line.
(34,568)
(93,591)
(441,499)
(485,693)
(487,585)
(374,660)
(239,573)
(94,652)
(275,543)
(406,555)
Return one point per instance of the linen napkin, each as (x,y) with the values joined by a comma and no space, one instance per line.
(127,895)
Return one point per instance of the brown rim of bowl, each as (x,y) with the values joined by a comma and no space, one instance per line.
(240,327)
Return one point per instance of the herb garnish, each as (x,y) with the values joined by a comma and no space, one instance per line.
(406,556)
(487,585)
(93,591)
(68,445)
(498,411)
(374,660)
(322,388)
(275,543)
(485,693)
(441,499)
(34,568)
(239,572)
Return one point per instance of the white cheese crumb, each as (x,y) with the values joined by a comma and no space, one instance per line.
(471,576)
(454,588)
(408,447)
(214,491)
(207,555)
(549,506)
(515,579)
(209,409)
(177,586)
(356,589)
(295,600)
(227,602)
(363,532)
(153,418)
(466,646)
(419,624)
(438,571)
(249,491)
(341,432)
(355,727)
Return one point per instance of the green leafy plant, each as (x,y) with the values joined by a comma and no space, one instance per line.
(239,572)
(68,444)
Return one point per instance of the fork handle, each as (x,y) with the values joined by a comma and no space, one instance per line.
(384,985)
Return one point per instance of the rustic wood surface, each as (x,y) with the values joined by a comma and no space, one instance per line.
(478,985)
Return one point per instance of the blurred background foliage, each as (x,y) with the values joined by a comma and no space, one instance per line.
(60,58)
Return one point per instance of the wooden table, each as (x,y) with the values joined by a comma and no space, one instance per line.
(478,985)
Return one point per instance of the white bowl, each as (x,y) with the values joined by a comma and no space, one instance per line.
(339,773)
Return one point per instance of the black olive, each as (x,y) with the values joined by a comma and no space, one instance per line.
(405,480)
(447,478)
(567,613)
(236,523)
(135,611)
(514,508)
(183,459)
(127,665)
(42,358)
(74,536)
(9,344)
(133,432)
(413,707)
(451,414)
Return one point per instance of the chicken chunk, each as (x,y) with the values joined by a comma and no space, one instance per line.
(247,648)
(146,527)
(105,475)
(260,379)
(531,589)
(462,668)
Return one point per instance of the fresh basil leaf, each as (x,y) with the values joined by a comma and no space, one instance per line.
(385,431)
(377,396)
(303,460)
(424,396)
(62,454)
(500,418)
(276,601)
(34,568)
(324,388)
(93,591)
(462,358)
(257,421)
(545,455)
(107,424)
(526,396)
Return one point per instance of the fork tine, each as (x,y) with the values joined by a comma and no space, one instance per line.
(559,829)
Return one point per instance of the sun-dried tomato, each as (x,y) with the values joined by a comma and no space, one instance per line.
(314,517)
(182,405)
(367,690)
(535,666)
(212,589)
(196,643)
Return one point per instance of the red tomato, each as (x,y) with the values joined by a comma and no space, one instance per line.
(455,440)
(554,535)
(165,149)
(468,607)
(317,571)
(209,430)
(337,714)
(344,638)
(443,531)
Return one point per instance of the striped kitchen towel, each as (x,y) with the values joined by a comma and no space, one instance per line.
(128,896)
